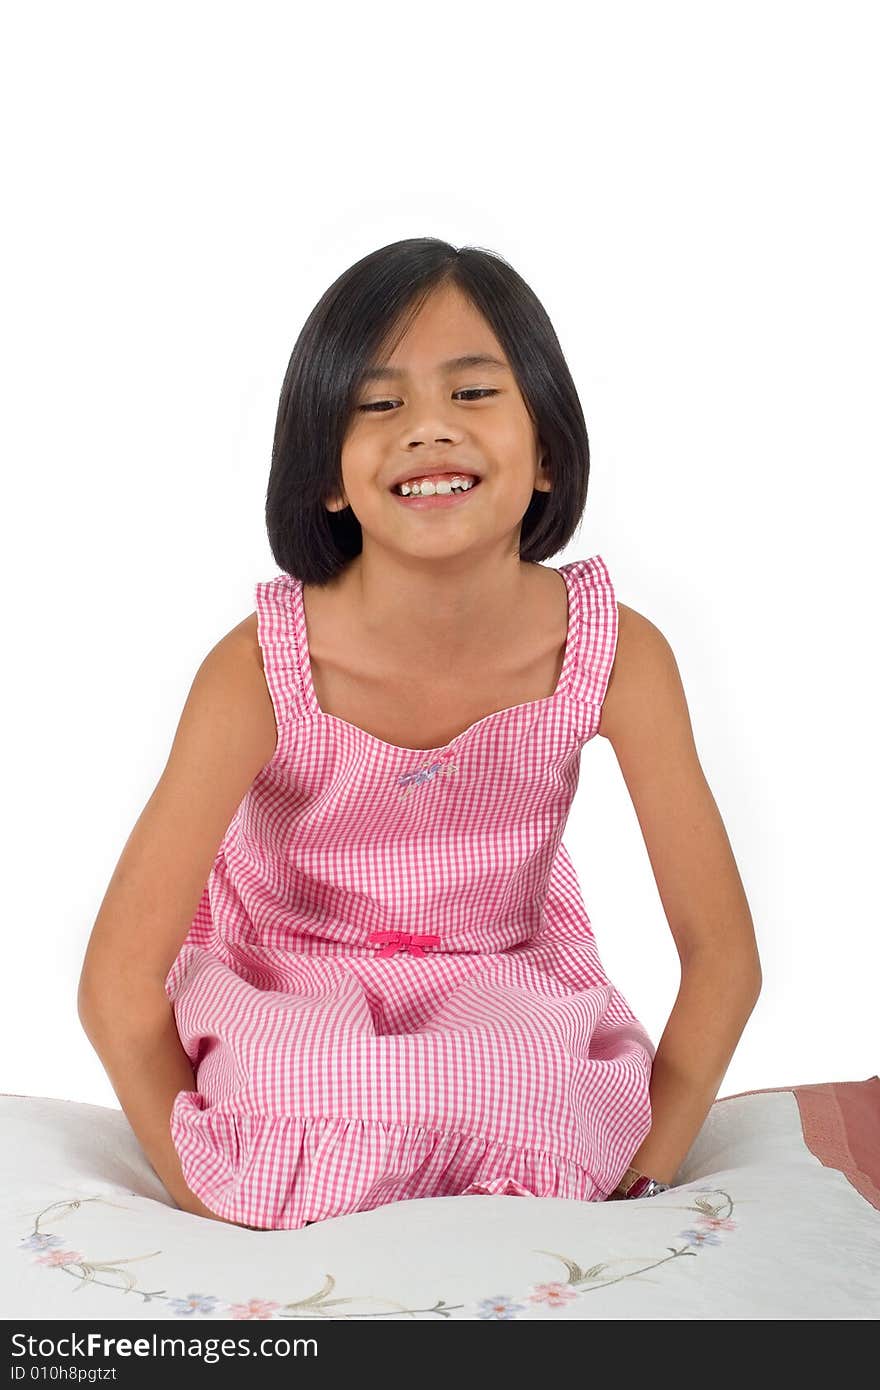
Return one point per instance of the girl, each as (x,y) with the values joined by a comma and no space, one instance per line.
(384,984)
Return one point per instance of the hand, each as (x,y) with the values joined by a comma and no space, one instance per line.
(191,1203)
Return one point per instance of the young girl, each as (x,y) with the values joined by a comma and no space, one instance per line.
(384,983)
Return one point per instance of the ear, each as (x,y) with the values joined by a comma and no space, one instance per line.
(543,481)
(337,503)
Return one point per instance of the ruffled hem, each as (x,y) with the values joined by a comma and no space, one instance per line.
(284,1172)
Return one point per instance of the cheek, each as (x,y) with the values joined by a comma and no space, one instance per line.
(515,435)
(358,462)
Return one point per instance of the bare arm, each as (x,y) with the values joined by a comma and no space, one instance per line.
(142,1054)
(225,736)
(645,716)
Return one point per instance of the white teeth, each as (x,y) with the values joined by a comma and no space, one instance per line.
(428,488)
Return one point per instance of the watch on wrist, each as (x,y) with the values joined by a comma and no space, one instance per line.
(634,1184)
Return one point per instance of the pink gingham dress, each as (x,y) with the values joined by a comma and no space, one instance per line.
(391,988)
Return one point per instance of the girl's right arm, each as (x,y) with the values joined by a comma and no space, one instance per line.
(225,736)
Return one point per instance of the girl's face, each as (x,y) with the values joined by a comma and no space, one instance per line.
(419,414)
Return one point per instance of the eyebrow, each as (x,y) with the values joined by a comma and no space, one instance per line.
(452,364)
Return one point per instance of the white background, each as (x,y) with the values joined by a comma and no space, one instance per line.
(691,191)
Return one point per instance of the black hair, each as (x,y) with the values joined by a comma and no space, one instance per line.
(348,326)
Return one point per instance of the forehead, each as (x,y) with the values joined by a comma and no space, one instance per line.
(445,334)
(486,361)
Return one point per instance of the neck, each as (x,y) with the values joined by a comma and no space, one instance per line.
(425,609)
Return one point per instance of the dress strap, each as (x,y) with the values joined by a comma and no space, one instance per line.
(597,629)
(280,643)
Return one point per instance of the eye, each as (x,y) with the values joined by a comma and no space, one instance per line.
(468,391)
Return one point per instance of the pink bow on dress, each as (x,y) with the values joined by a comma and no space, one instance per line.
(394,941)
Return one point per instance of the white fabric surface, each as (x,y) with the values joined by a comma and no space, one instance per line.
(90,1232)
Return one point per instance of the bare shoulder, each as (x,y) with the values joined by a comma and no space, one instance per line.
(244,639)
(645,693)
(234,666)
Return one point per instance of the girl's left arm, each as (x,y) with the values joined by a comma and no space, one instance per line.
(645,717)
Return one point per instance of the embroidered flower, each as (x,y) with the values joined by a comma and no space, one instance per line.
(716,1223)
(501,1306)
(700,1237)
(40,1240)
(60,1257)
(193,1303)
(254,1308)
(444,763)
(555,1294)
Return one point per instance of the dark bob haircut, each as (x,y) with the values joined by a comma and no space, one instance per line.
(371,303)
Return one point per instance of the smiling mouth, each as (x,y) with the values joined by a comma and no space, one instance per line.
(430,484)
(435,501)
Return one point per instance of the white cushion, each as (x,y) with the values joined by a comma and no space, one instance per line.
(774,1215)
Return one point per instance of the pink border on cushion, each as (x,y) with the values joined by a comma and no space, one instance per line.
(841,1125)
